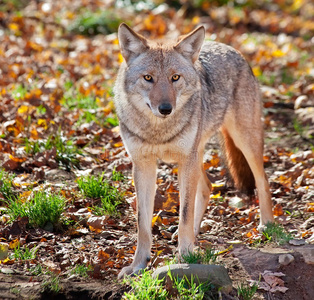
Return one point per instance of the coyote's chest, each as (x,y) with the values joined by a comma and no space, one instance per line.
(169,142)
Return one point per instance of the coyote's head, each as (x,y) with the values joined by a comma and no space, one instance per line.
(160,77)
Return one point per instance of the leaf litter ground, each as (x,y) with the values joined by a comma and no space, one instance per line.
(56,89)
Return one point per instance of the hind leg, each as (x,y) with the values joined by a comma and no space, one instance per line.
(201,201)
(249,139)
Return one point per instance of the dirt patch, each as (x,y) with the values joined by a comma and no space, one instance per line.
(246,264)
(29,287)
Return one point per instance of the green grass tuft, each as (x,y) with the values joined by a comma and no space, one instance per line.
(6,186)
(247,292)
(189,289)
(24,253)
(36,270)
(144,287)
(117,176)
(52,284)
(100,188)
(19,92)
(276,233)
(91,23)
(40,209)
(111,121)
(74,99)
(206,256)
(81,270)
(192,257)
(66,151)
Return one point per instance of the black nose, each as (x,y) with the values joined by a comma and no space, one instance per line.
(165,108)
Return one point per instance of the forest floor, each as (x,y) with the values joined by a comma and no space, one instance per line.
(58,62)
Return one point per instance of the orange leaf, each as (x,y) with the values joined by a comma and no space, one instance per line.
(169,220)
(172,189)
(278,211)
(110,264)
(103,255)
(121,253)
(17,159)
(268,104)
(214,162)
(251,217)
(93,229)
(304,234)
(266,159)
(34,134)
(310,207)
(175,171)
(25,195)
(171,203)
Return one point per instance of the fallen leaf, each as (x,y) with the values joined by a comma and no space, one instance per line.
(278,210)
(14,244)
(4,249)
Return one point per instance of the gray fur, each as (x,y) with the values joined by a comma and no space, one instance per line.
(216,90)
(218,69)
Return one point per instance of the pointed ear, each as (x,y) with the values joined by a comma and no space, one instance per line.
(190,45)
(131,43)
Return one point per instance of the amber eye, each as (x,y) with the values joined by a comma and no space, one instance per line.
(175,77)
(148,78)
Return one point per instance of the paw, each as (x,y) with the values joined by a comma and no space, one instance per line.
(186,248)
(262,226)
(127,271)
(133,269)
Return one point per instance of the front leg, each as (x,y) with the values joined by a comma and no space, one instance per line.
(144,175)
(202,196)
(189,175)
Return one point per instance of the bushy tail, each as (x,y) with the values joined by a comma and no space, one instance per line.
(237,165)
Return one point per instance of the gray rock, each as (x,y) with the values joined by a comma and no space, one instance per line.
(217,275)
(236,202)
(308,253)
(4,249)
(286,259)
(59,175)
(7,271)
(297,242)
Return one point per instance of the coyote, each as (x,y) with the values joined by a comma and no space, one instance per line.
(170,98)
